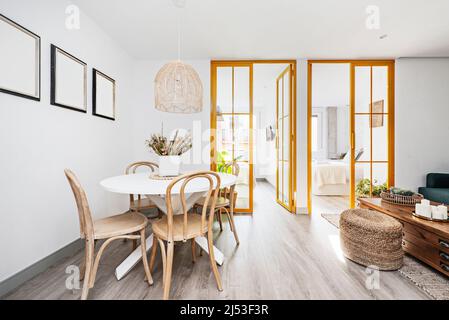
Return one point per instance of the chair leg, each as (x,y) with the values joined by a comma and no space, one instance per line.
(170,249)
(88,269)
(135,242)
(97,262)
(164,259)
(219,219)
(232,225)
(153,253)
(144,257)
(213,264)
(193,244)
(83,266)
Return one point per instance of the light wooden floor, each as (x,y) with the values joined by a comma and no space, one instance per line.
(281,256)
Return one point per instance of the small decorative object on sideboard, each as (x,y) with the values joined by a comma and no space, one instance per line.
(169,151)
(425,210)
(401,196)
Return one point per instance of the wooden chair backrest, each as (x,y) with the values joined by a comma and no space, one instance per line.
(211,197)
(132,168)
(84,214)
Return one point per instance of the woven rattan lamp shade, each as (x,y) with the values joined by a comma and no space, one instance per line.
(178,89)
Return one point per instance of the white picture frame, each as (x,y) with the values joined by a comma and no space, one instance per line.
(68,81)
(20,60)
(103,95)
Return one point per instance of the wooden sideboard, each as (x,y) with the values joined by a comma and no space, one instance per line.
(427,241)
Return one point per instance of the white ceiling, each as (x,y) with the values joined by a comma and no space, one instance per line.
(265,29)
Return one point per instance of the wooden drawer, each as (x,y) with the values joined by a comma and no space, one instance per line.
(421,248)
(426,236)
(431,258)
(421,242)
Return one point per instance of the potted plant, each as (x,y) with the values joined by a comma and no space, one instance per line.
(362,189)
(169,151)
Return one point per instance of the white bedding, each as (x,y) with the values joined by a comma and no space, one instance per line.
(332,177)
(330,173)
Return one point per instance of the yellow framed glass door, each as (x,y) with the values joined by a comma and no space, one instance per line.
(232,124)
(284,177)
(372,127)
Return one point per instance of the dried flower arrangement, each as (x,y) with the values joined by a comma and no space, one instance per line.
(163,146)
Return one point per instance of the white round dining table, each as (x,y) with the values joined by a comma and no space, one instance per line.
(155,189)
(141,183)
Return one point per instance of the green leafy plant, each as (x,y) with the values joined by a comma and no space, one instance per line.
(363,188)
(402,192)
(223,159)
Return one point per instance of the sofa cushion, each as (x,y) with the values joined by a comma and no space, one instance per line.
(437,180)
(435,194)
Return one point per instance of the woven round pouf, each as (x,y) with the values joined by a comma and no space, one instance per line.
(371,238)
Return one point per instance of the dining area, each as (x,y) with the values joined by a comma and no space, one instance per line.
(167,207)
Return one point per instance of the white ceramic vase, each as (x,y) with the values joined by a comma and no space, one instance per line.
(169,165)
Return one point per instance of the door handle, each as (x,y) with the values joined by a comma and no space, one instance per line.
(352,140)
(444,244)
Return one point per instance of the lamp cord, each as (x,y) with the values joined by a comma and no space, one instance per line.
(179,22)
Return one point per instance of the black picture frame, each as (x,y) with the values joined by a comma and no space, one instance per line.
(38,62)
(53,84)
(95,111)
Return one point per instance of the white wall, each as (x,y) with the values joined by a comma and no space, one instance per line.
(37,140)
(331,85)
(422,114)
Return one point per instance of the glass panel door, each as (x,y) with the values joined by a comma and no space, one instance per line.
(372,142)
(232,117)
(283,141)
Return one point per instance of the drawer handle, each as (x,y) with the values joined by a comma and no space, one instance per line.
(444,244)
(445,256)
(444,267)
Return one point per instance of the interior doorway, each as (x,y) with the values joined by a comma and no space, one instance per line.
(253,111)
(351,131)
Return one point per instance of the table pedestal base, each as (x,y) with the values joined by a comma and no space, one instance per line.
(135,256)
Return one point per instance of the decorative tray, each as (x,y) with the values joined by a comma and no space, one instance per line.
(429,219)
(400,199)
(155,176)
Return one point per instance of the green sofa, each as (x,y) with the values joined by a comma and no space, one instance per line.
(437,187)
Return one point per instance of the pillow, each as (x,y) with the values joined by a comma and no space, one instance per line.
(358,154)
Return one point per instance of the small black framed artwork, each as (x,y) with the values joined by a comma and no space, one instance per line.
(103,95)
(20,60)
(68,81)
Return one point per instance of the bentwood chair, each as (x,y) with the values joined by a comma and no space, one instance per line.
(226,200)
(185,226)
(122,226)
(141,203)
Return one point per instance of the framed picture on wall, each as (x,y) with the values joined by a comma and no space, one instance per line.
(20,60)
(68,81)
(103,95)
(378,117)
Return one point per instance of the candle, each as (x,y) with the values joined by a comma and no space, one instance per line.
(423,210)
(442,209)
(436,213)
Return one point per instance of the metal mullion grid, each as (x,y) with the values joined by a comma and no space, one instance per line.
(282,148)
(371,131)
